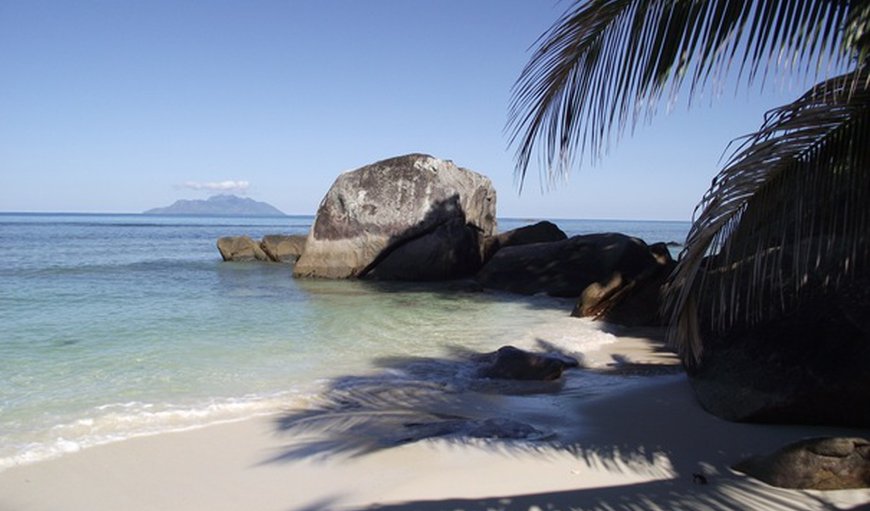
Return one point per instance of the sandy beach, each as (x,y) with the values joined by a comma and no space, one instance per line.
(633,448)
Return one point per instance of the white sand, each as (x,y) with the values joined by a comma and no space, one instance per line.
(631,449)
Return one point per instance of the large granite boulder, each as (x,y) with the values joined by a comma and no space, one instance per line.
(566,268)
(240,248)
(814,464)
(809,367)
(510,363)
(541,232)
(370,214)
(283,248)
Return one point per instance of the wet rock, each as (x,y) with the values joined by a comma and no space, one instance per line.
(240,248)
(283,248)
(510,363)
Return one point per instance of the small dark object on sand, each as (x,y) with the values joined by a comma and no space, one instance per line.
(699,478)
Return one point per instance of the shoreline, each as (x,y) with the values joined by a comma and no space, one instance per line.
(636,444)
(114,422)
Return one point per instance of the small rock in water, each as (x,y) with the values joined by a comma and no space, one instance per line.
(510,363)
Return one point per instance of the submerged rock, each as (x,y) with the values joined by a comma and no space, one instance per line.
(814,464)
(439,210)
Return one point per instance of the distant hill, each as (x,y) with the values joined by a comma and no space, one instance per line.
(219,205)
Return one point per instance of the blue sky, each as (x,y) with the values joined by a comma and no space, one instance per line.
(125,105)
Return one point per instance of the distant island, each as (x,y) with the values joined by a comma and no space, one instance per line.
(218,205)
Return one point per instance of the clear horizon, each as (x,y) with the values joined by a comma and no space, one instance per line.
(123,107)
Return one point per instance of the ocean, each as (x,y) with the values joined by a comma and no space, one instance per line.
(116,326)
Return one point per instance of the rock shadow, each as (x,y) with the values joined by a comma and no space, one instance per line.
(444,245)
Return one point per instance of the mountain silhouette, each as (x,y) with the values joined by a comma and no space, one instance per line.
(218,205)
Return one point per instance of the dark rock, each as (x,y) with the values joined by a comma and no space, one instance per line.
(810,367)
(240,248)
(616,277)
(814,464)
(566,268)
(283,248)
(510,363)
(541,232)
(633,301)
(662,254)
(370,212)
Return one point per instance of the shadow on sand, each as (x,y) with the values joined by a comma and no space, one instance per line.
(612,421)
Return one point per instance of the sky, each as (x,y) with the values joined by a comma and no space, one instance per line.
(118,106)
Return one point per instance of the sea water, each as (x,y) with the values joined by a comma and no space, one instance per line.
(115,326)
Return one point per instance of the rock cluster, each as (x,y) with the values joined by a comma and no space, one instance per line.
(614,276)
(419,218)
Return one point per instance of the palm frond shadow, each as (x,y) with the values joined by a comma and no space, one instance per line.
(411,399)
(416,398)
(603,421)
(733,495)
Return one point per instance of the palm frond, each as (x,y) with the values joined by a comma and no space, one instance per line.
(785,219)
(606,63)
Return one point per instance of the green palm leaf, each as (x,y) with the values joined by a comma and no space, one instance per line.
(606,63)
(787,219)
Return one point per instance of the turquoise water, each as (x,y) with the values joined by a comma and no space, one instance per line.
(122,325)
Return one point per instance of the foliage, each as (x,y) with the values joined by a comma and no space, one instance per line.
(786,215)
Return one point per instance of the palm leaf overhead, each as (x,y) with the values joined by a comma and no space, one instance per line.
(785,220)
(606,63)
